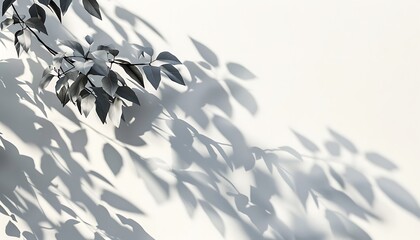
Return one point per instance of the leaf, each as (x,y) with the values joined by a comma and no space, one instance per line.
(83,67)
(133,72)
(64,5)
(78,85)
(102,104)
(6,5)
(12,230)
(92,7)
(206,53)
(99,68)
(6,23)
(115,112)
(128,94)
(57,60)
(108,48)
(25,40)
(89,39)
(37,11)
(63,95)
(46,80)
(75,46)
(239,71)
(110,84)
(53,6)
(153,75)
(291,151)
(16,42)
(168,57)
(35,22)
(87,104)
(141,50)
(337,177)
(100,55)
(45,2)
(173,73)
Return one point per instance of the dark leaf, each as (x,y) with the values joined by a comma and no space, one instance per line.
(17,43)
(45,2)
(35,22)
(92,7)
(77,86)
(37,11)
(99,68)
(6,23)
(239,71)
(102,104)
(111,50)
(110,84)
(153,75)
(73,45)
(128,94)
(133,72)
(168,57)
(64,5)
(6,5)
(12,230)
(53,6)
(173,73)
(89,39)
(63,95)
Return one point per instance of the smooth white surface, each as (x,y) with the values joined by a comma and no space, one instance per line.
(351,66)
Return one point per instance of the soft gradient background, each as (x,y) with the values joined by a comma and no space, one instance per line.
(350,66)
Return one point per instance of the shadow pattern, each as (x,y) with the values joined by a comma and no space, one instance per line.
(83,203)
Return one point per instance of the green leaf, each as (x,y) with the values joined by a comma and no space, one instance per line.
(172,73)
(53,6)
(64,5)
(35,22)
(115,112)
(133,72)
(37,11)
(75,46)
(128,94)
(110,84)
(6,5)
(168,57)
(92,7)
(153,75)
(7,23)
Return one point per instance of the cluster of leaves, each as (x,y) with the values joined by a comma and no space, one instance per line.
(85,76)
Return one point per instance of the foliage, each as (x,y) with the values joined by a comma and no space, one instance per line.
(87,77)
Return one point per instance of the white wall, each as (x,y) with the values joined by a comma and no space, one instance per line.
(337,76)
